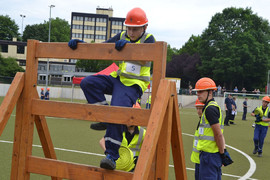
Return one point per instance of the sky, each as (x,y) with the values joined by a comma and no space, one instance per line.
(173,21)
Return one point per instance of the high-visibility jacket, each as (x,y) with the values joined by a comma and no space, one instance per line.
(132,72)
(136,142)
(265,115)
(149,100)
(195,155)
(206,141)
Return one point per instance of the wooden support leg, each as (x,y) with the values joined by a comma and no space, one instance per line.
(163,147)
(177,144)
(17,140)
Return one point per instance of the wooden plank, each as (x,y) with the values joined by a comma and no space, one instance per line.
(17,139)
(159,69)
(27,118)
(164,142)
(100,51)
(73,171)
(177,143)
(153,131)
(11,99)
(121,115)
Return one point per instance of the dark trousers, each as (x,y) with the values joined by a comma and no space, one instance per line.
(94,88)
(244,114)
(210,166)
(259,135)
(228,116)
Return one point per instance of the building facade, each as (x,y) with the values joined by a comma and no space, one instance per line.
(88,27)
(95,27)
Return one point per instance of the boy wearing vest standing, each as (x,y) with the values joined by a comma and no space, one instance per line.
(195,155)
(211,142)
(125,85)
(261,126)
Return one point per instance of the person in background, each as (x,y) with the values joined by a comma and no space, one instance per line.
(195,155)
(125,85)
(211,142)
(228,109)
(234,110)
(148,103)
(47,94)
(42,96)
(245,109)
(261,125)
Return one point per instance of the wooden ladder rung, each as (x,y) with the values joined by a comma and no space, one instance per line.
(62,169)
(90,112)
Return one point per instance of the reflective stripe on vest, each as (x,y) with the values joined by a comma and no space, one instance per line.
(136,142)
(206,140)
(265,115)
(195,154)
(131,72)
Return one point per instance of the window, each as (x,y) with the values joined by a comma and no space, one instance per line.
(67,79)
(42,77)
(4,48)
(20,49)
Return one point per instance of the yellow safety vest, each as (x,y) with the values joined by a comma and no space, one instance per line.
(206,140)
(265,115)
(136,142)
(149,100)
(195,155)
(132,72)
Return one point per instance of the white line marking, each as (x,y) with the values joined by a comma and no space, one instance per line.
(96,154)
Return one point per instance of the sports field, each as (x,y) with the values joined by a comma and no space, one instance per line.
(75,142)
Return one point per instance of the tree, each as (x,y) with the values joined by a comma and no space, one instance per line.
(192,46)
(60,31)
(171,52)
(184,66)
(9,67)
(8,28)
(234,49)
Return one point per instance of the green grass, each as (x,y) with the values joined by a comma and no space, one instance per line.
(76,135)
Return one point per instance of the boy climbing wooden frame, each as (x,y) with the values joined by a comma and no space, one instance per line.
(162,121)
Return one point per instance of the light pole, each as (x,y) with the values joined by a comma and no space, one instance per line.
(23,16)
(49,39)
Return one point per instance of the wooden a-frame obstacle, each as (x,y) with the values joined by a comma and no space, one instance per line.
(162,121)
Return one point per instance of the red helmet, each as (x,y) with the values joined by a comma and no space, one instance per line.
(42,89)
(48,89)
(198,103)
(205,84)
(266,98)
(136,17)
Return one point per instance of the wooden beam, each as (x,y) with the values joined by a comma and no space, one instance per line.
(89,112)
(11,99)
(100,51)
(73,171)
(27,128)
(153,130)
(177,143)
(164,142)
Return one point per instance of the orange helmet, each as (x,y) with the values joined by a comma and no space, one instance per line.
(137,105)
(136,17)
(205,84)
(266,98)
(42,89)
(48,89)
(198,103)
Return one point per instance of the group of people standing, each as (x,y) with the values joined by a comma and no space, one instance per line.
(46,95)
